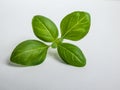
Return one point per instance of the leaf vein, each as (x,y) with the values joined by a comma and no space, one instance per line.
(71,53)
(46,29)
(28,51)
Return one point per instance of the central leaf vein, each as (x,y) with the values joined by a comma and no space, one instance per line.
(28,51)
(46,29)
(71,53)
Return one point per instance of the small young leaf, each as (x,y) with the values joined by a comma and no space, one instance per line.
(44,28)
(75,25)
(71,54)
(29,53)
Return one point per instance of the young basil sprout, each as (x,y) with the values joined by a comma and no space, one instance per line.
(74,27)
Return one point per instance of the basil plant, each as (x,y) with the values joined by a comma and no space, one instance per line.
(73,27)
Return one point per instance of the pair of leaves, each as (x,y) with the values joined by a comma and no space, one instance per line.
(73,27)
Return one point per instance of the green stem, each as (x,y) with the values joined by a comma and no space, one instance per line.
(56,42)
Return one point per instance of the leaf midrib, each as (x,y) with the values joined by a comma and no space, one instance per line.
(28,51)
(73,26)
(70,52)
(46,28)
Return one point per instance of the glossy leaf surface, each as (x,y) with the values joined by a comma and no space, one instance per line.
(75,25)
(44,28)
(29,53)
(71,54)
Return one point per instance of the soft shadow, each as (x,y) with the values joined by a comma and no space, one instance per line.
(54,54)
(51,52)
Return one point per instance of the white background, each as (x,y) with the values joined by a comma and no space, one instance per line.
(101,46)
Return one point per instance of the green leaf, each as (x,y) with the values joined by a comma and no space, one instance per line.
(75,25)
(44,28)
(71,54)
(29,53)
